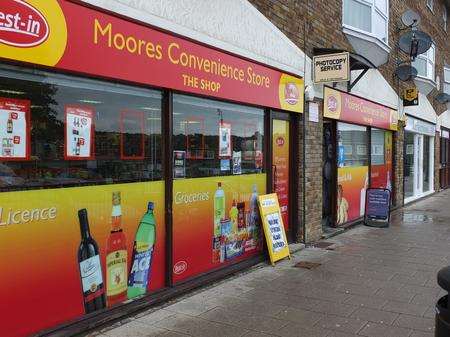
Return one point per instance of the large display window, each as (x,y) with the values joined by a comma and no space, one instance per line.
(215,212)
(80,223)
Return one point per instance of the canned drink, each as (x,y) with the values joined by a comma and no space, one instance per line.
(216,249)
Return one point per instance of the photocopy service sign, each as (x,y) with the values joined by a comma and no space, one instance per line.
(273,227)
(331,68)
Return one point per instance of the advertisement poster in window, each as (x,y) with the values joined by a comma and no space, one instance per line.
(237,162)
(351,193)
(179,164)
(94,247)
(224,140)
(132,139)
(14,129)
(79,133)
(215,222)
(280,161)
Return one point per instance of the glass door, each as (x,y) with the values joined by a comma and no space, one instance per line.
(280,165)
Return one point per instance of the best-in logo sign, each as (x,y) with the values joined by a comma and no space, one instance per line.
(22,25)
(291,93)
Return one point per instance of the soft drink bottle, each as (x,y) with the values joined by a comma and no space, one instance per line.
(142,254)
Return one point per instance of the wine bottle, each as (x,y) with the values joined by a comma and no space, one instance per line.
(9,125)
(90,268)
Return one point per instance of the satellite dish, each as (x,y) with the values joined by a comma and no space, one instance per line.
(411,18)
(406,72)
(443,98)
(415,42)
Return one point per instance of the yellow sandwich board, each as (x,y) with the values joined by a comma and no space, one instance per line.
(273,227)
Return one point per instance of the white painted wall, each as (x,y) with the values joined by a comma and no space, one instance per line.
(424,110)
(232,25)
(444,119)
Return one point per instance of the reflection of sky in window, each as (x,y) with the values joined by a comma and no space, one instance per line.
(190,113)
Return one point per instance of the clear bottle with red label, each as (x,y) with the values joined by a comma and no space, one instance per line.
(116,257)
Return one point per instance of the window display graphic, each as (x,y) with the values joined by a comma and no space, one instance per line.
(274,233)
(351,193)
(76,240)
(132,141)
(233,231)
(14,129)
(225,140)
(237,162)
(90,268)
(144,245)
(116,256)
(179,164)
(79,133)
(238,231)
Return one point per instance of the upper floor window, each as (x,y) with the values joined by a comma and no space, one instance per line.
(430,4)
(425,63)
(447,80)
(444,16)
(368,16)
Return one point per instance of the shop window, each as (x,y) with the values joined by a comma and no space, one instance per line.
(444,151)
(352,145)
(368,16)
(213,138)
(120,141)
(447,80)
(425,63)
(381,159)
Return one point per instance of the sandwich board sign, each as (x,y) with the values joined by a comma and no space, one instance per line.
(378,202)
(273,227)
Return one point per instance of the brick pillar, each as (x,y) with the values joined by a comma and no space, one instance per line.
(313,168)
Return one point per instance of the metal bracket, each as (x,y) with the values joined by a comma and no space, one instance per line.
(352,84)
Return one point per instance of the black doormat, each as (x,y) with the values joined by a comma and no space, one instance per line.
(307,265)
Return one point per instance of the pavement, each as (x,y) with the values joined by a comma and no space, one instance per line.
(370,282)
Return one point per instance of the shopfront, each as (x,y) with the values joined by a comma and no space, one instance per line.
(444,158)
(130,162)
(419,159)
(358,135)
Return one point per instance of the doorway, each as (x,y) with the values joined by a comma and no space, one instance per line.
(281,161)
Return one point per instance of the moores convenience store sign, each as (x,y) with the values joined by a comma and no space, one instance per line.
(68,36)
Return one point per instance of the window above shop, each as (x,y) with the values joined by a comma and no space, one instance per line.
(425,65)
(366,22)
(446,86)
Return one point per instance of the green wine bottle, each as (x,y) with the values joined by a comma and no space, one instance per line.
(141,261)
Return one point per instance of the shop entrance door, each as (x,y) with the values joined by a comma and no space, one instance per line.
(418,163)
(281,161)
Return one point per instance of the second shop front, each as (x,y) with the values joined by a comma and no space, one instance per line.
(358,136)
